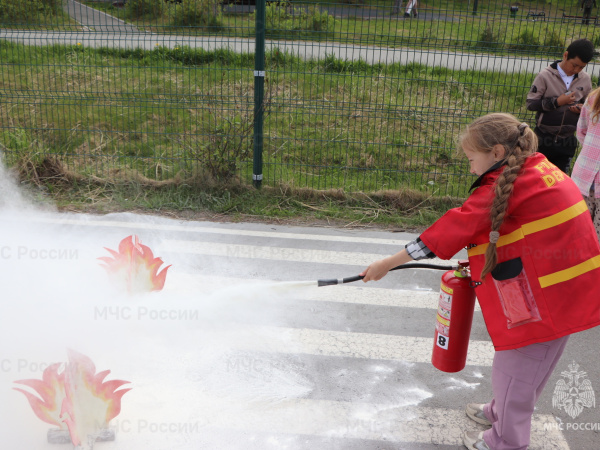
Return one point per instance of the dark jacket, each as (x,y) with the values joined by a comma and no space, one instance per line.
(546,88)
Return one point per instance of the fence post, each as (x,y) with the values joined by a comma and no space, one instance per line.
(259,90)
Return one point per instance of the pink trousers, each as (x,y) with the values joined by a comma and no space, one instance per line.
(518,378)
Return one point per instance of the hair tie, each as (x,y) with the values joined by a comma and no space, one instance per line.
(522,127)
(494,236)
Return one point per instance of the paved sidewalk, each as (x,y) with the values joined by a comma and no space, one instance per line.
(304,50)
(94,20)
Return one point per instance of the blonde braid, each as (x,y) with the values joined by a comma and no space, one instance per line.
(503,191)
(519,141)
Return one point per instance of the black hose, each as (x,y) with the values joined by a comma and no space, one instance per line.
(333,281)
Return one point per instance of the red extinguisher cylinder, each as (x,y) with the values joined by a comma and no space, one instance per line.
(454,320)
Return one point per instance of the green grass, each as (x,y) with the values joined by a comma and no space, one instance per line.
(48,19)
(105,129)
(400,211)
(184,113)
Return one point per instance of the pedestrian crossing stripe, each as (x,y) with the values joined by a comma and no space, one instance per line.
(305,255)
(185,228)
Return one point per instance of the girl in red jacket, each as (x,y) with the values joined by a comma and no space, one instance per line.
(534,276)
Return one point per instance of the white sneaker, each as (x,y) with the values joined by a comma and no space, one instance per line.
(475,412)
(473,440)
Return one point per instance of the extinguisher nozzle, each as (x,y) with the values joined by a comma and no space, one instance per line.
(329,282)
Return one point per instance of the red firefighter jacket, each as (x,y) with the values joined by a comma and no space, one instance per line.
(547,282)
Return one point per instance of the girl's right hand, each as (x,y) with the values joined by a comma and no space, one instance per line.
(379,269)
(376,271)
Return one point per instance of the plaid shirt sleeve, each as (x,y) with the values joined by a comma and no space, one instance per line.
(418,250)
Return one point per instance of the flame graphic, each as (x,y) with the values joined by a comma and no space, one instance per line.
(135,267)
(77,399)
(51,390)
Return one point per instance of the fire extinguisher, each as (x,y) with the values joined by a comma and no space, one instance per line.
(454,318)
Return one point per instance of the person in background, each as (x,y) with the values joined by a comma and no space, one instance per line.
(586,171)
(587,6)
(411,9)
(556,96)
(522,207)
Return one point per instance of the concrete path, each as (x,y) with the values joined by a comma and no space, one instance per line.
(305,50)
(93,20)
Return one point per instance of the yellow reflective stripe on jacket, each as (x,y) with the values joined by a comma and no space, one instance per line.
(570,273)
(533,227)
(555,219)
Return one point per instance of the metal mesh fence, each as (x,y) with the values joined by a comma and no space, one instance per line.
(363,95)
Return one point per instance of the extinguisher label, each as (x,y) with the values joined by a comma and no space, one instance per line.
(442,341)
(443,313)
(443,321)
(445,300)
(441,328)
(447,289)
(442,325)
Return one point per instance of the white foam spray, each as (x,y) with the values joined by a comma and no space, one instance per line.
(177,347)
(195,361)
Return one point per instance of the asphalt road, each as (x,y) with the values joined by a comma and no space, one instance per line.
(241,350)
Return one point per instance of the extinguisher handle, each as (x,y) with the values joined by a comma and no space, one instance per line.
(351,279)
(334,281)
